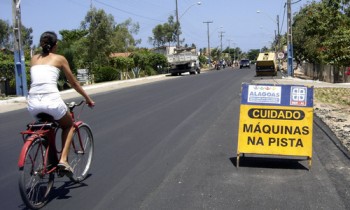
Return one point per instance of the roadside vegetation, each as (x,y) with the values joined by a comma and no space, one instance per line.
(338,96)
(92,47)
(321,33)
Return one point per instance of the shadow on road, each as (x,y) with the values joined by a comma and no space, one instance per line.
(61,192)
(266,162)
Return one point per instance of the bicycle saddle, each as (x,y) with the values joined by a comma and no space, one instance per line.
(45,121)
(44,117)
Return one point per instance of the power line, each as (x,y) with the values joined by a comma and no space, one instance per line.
(295,2)
(284,15)
(127,12)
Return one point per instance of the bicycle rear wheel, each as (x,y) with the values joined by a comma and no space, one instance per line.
(81,152)
(34,183)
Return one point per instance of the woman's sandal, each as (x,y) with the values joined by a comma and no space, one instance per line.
(64,167)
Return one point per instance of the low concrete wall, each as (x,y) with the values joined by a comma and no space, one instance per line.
(326,73)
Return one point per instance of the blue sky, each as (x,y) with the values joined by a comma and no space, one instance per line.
(243,27)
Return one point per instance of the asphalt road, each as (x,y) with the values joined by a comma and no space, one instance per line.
(171,144)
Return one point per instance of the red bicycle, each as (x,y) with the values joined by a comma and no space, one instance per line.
(39,157)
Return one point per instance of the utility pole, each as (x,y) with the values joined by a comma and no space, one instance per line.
(208,22)
(278,33)
(221,35)
(20,70)
(177,26)
(278,44)
(234,53)
(289,39)
(229,47)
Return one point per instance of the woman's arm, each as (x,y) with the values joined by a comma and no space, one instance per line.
(74,82)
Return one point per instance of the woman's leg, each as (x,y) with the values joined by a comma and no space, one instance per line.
(66,124)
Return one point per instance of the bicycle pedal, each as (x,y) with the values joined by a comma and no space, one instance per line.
(49,167)
(69,174)
(61,173)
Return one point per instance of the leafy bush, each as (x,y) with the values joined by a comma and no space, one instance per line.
(123,63)
(7,69)
(106,73)
(149,62)
(149,71)
(140,59)
(156,60)
(202,60)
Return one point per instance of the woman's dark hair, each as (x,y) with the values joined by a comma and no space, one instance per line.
(47,41)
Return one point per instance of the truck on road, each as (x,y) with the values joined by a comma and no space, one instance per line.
(266,64)
(183,60)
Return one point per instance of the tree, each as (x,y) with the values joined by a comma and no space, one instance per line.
(157,61)
(6,36)
(202,60)
(158,39)
(141,59)
(146,60)
(311,30)
(6,56)
(7,67)
(5,31)
(336,46)
(100,27)
(165,33)
(253,54)
(215,54)
(312,38)
(123,63)
(123,39)
(27,37)
(234,52)
(71,36)
(68,46)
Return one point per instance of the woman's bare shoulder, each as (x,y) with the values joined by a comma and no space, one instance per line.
(34,59)
(58,56)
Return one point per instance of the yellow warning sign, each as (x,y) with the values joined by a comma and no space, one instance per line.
(278,126)
(271,130)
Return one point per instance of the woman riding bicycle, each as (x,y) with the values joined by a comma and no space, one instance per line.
(44,96)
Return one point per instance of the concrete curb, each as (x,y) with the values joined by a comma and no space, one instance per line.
(112,84)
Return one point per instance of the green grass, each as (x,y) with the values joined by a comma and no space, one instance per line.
(339,96)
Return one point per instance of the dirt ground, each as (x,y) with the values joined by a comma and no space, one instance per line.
(337,117)
(332,106)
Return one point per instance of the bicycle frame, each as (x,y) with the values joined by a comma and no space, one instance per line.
(76,125)
(49,133)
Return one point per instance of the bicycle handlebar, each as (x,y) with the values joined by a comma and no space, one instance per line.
(73,104)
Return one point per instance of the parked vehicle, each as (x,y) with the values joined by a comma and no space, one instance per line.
(183,60)
(266,64)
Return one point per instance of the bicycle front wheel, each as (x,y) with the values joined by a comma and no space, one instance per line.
(81,152)
(34,183)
